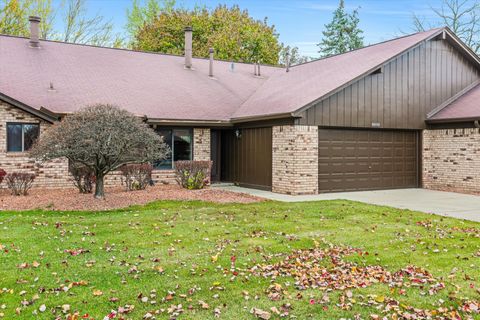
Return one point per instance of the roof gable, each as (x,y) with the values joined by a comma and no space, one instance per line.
(306,84)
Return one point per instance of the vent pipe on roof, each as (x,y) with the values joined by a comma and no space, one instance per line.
(258,69)
(287,62)
(34,31)
(254,69)
(210,69)
(188,47)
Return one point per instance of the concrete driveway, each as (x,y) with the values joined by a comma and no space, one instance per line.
(461,206)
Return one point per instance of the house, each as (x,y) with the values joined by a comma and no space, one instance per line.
(398,114)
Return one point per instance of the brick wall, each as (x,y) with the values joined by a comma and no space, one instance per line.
(295,159)
(54,174)
(451,160)
(201,143)
(50,174)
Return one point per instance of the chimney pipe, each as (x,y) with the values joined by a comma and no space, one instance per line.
(188,47)
(34,31)
(288,62)
(258,69)
(210,70)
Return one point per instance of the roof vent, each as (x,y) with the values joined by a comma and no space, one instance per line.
(258,69)
(34,31)
(232,67)
(188,47)
(254,69)
(210,69)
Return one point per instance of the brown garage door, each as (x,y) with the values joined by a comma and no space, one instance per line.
(247,158)
(351,160)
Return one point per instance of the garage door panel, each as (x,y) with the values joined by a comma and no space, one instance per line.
(366,159)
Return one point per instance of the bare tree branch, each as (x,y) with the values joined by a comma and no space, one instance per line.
(462,16)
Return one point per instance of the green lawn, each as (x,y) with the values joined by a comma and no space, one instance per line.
(200,256)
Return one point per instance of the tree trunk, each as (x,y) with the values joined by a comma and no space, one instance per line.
(99,187)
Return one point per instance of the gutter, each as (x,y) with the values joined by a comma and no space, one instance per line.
(176,122)
(454,120)
(265,117)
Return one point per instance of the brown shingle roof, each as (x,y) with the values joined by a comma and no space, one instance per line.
(159,87)
(144,83)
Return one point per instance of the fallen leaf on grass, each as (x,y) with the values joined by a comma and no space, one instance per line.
(97,293)
(260,314)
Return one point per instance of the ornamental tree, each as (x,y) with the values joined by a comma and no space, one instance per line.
(102,138)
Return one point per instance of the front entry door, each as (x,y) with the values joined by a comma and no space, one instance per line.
(215,154)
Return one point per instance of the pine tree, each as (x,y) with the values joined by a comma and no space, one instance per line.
(342,34)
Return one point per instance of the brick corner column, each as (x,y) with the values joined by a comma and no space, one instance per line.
(201,144)
(295,159)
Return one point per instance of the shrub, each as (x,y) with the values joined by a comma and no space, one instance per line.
(2,175)
(193,174)
(19,182)
(136,176)
(83,178)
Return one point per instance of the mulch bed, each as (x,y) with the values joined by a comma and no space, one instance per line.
(70,199)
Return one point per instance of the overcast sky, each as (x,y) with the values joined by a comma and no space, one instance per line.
(300,22)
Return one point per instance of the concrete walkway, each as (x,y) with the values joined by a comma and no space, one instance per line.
(461,206)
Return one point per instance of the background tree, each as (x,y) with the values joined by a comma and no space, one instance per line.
(101,138)
(342,34)
(76,25)
(230,31)
(139,15)
(293,55)
(14,17)
(462,16)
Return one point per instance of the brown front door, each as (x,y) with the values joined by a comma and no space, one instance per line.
(215,154)
(247,157)
(351,160)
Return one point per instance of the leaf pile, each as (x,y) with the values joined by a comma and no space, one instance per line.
(325,269)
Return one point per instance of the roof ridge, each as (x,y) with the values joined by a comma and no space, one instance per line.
(134,51)
(368,46)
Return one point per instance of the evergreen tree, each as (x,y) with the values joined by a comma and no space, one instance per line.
(342,34)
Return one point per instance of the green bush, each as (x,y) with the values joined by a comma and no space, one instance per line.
(192,174)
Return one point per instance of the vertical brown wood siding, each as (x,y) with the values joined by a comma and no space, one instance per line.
(248,160)
(402,95)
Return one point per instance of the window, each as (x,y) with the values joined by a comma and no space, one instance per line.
(21,136)
(180,143)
